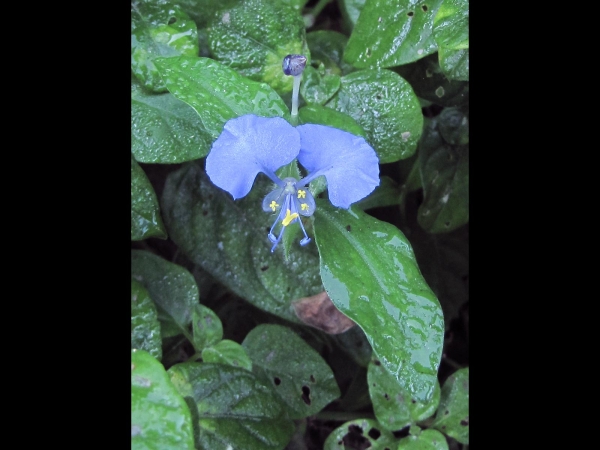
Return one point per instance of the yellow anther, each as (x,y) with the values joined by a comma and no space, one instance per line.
(288,218)
(273,205)
(304,206)
(301,193)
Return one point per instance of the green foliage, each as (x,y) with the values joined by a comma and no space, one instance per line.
(231,343)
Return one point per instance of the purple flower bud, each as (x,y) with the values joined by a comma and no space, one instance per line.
(293,64)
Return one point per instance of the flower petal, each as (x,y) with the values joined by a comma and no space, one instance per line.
(349,164)
(250,144)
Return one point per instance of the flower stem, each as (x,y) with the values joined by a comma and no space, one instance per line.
(296,89)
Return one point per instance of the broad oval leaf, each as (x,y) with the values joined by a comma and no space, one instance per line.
(159,29)
(445,175)
(326,116)
(452,416)
(201,11)
(254,36)
(229,240)
(426,440)
(451,32)
(370,272)
(227,352)
(218,93)
(318,88)
(385,105)
(392,32)
(145,212)
(164,129)
(160,417)
(206,327)
(393,408)
(172,288)
(327,48)
(359,432)
(298,374)
(145,328)
(234,409)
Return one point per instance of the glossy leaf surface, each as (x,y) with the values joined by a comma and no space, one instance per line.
(318,88)
(452,416)
(385,105)
(145,329)
(159,416)
(369,270)
(451,32)
(206,326)
(392,32)
(327,48)
(298,374)
(218,93)
(234,410)
(227,352)
(145,212)
(426,440)
(326,116)
(357,432)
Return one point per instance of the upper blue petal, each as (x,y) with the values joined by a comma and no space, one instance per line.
(250,144)
(350,164)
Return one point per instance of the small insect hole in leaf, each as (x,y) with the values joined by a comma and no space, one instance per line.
(464,422)
(348,228)
(306,395)
(355,438)
(277,381)
(312,379)
(424,8)
(368,52)
(413,401)
(263,268)
(386,396)
(410,14)
(377,362)
(446,412)
(374,433)
(172,20)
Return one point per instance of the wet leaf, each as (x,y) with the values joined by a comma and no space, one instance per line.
(217,93)
(350,10)
(145,212)
(369,270)
(233,409)
(227,352)
(229,240)
(171,287)
(451,32)
(326,116)
(159,29)
(254,36)
(356,433)
(393,407)
(159,416)
(145,329)
(385,105)
(164,129)
(452,415)
(202,11)
(390,33)
(426,440)
(327,48)
(298,374)
(206,326)
(317,88)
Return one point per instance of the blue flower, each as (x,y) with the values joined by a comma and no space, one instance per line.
(251,144)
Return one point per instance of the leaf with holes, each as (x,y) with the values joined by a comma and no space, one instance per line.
(318,88)
(327,48)
(160,417)
(370,272)
(145,212)
(164,129)
(233,409)
(206,327)
(452,415)
(254,36)
(227,352)
(445,176)
(385,105)
(229,240)
(357,433)
(426,440)
(218,93)
(298,374)
(390,33)
(172,288)
(159,30)
(393,407)
(451,32)
(145,328)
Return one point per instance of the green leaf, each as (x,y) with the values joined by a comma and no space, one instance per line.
(451,32)
(430,83)
(145,329)
(386,194)
(206,326)
(385,105)
(172,288)
(445,178)
(318,88)
(217,93)
(234,409)
(298,374)
(326,116)
(159,416)
(229,240)
(227,352)
(392,32)
(426,440)
(453,125)
(452,415)
(327,48)
(159,29)
(145,213)
(350,10)
(164,129)
(254,37)
(358,432)
(393,407)
(369,270)
(201,11)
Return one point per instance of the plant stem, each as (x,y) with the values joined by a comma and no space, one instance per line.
(295,91)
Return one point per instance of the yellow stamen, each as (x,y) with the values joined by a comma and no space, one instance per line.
(273,205)
(304,206)
(301,193)
(288,218)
